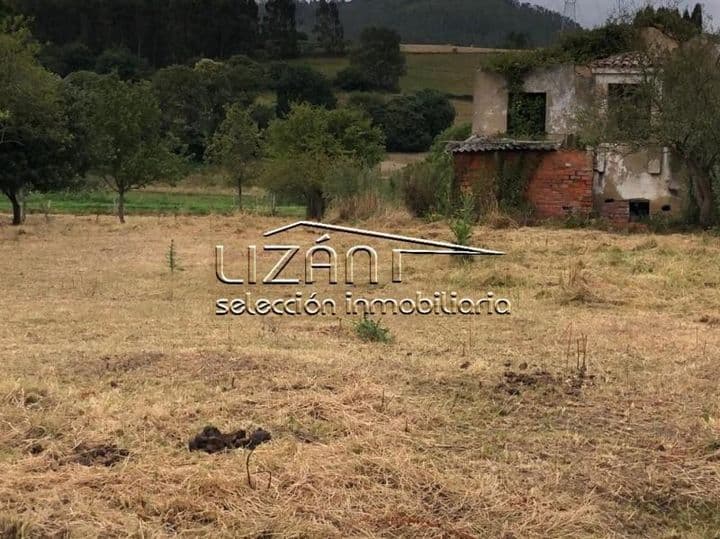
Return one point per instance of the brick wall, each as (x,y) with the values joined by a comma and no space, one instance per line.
(560,186)
(616,211)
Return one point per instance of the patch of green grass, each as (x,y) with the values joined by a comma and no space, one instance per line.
(145,202)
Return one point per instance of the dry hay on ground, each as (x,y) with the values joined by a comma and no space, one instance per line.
(592,411)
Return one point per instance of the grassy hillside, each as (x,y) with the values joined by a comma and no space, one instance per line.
(450,73)
(488,23)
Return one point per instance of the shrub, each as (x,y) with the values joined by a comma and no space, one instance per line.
(371,104)
(412,122)
(427,186)
(302,84)
(262,114)
(352,79)
(121,61)
(371,331)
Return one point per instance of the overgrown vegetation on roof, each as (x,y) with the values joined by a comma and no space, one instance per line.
(584,46)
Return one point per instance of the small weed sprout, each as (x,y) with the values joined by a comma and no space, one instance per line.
(463,222)
(173,265)
(370,330)
(172,258)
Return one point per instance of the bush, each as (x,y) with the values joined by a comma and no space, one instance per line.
(371,104)
(352,79)
(427,186)
(302,84)
(405,127)
(436,109)
(68,58)
(262,114)
(121,61)
(371,331)
(412,122)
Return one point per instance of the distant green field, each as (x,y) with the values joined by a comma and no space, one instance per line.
(145,202)
(452,73)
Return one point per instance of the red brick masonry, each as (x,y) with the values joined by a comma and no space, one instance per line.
(561,185)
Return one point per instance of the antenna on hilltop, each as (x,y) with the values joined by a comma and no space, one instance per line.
(569,14)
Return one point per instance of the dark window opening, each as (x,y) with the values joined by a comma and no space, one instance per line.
(667,207)
(527,115)
(629,109)
(639,210)
(609,200)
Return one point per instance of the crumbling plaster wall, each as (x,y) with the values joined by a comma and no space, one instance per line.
(567,87)
(623,173)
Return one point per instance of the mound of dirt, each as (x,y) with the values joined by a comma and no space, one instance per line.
(98,455)
(211,440)
(516,381)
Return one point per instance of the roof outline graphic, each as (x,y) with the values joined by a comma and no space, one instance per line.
(447,248)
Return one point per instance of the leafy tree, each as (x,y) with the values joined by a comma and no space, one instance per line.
(120,60)
(352,79)
(193,100)
(302,84)
(328,28)
(687,100)
(128,150)
(279,29)
(67,58)
(305,148)
(697,17)
(411,122)
(161,31)
(262,114)
(35,143)
(379,58)
(235,145)
(371,104)
(437,110)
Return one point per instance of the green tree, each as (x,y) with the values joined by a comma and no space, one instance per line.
(235,145)
(305,148)
(193,100)
(35,143)
(279,29)
(697,17)
(378,56)
(682,103)
(128,150)
(328,29)
(687,103)
(411,122)
(302,84)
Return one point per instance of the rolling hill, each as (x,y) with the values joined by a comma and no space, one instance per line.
(486,23)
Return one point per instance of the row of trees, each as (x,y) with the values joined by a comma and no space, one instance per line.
(129,134)
(165,32)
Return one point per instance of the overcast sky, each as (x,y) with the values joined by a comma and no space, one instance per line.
(593,12)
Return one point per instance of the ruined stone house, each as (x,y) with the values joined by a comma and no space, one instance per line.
(614,181)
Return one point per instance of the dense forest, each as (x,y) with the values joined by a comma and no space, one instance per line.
(165,32)
(489,23)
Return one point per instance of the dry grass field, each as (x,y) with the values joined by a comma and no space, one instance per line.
(460,427)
